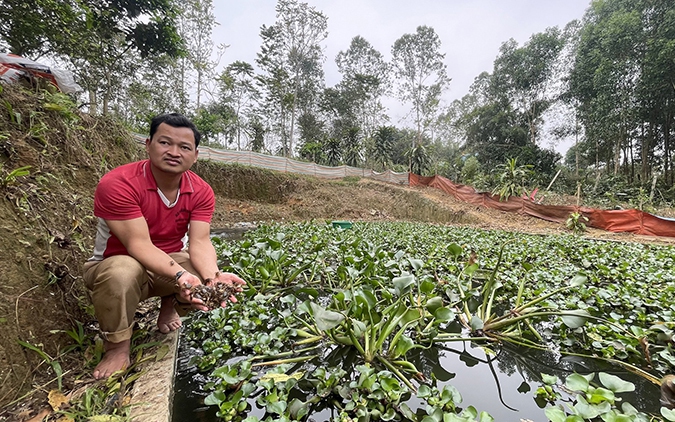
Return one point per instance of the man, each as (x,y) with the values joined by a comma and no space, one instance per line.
(148,211)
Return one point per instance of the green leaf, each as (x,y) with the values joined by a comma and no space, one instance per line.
(427,286)
(476,323)
(434,303)
(403,344)
(298,409)
(555,414)
(359,328)
(549,379)
(215,398)
(424,391)
(576,382)
(578,280)
(600,395)
(454,249)
(417,264)
(615,383)
(577,320)
(325,320)
(277,407)
(406,411)
(669,414)
(485,417)
(402,283)
(389,415)
(444,314)
(586,410)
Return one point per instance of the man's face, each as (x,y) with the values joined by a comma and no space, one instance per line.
(172,149)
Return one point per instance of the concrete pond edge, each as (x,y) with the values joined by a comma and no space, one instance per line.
(152,393)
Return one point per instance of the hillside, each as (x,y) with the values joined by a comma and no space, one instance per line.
(48,226)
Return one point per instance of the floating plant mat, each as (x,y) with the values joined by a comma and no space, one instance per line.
(506,394)
(391,321)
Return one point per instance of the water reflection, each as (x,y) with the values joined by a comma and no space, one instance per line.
(501,382)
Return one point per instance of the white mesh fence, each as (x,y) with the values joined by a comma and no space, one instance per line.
(288,165)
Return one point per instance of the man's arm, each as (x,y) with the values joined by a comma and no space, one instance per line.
(201,250)
(135,237)
(203,256)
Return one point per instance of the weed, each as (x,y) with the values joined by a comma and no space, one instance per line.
(61,104)
(77,333)
(56,366)
(14,116)
(351,180)
(576,222)
(512,179)
(10,178)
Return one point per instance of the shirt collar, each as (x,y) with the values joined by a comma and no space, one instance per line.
(186,185)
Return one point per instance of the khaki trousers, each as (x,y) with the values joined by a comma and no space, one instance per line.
(119,283)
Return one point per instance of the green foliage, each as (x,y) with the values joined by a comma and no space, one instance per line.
(420,74)
(11,177)
(419,159)
(470,170)
(102,403)
(576,222)
(54,363)
(590,402)
(380,291)
(513,179)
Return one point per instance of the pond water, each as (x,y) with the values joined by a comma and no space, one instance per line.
(502,385)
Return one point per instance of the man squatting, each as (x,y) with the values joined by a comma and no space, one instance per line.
(153,239)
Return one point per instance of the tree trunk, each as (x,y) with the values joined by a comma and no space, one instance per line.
(645,151)
(93,105)
(576,144)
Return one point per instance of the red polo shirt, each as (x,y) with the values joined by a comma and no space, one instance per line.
(130,191)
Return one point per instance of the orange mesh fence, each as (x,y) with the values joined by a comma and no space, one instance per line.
(632,221)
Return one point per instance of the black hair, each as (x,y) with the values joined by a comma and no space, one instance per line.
(174,120)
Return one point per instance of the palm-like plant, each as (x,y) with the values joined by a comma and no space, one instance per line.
(512,179)
(419,159)
(384,144)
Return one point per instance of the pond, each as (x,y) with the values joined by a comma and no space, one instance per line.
(502,385)
(396,321)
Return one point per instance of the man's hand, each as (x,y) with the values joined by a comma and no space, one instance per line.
(186,281)
(229,279)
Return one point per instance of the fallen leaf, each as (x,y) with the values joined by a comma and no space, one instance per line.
(57,399)
(282,377)
(40,416)
(105,418)
(161,352)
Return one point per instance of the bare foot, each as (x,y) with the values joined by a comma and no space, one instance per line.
(116,358)
(168,319)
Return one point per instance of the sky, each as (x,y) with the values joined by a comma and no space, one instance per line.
(471,31)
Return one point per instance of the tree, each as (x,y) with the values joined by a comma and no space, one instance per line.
(383,146)
(312,138)
(522,75)
(421,75)
(238,90)
(154,91)
(95,37)
(291,58)
(213,120)
(605,74)
(196,23)
(365,79)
